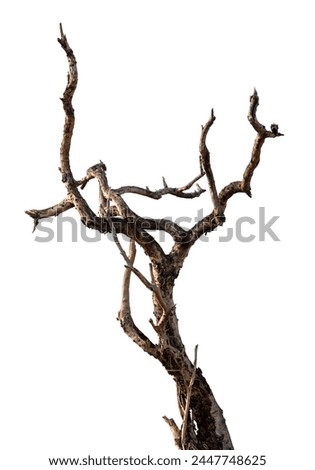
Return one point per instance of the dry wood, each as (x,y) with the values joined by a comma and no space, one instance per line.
(187,406)
(203,424)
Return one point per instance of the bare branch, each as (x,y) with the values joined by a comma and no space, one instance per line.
(58,208)
(69,111)
(187,406)
(124,314)
(205,161)
(86,214)
(262,134)
(254,103)
(175,431)
(158,194)
(52,211)
(149,285)
(210,222)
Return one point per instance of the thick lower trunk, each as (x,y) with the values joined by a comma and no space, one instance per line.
(206,427)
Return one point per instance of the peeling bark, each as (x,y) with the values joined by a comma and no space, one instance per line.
(203,425)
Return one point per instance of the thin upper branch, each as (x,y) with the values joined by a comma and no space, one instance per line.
(262,134)
(205,161)
(211,222)
(159,193)
(77,199)
(72,82)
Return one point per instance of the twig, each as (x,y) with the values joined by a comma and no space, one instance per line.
(187,406)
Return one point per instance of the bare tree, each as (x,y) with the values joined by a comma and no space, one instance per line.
(203,425)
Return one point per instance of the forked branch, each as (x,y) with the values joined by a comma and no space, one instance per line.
(211,221)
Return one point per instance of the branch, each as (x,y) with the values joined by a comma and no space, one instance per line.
(187,406)
(67,177)
(158,194)
(209,223)
(262,134)
(159,328)
(205,162)
(124,314)
(175,431)
(58,208)
(69,111)
(151,286)
(53,211)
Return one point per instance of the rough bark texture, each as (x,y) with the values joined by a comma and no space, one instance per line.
(203,425)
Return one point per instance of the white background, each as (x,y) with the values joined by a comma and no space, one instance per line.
(72,383)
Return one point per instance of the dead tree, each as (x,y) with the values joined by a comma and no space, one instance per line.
(203,425)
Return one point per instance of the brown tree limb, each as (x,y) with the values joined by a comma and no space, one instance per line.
(175,431)
(262,134)
(149,285)
(86,213)
(124,314)
(187,406)
(158,194)
(53,211)
(211,222)
(70,89)
(205,161)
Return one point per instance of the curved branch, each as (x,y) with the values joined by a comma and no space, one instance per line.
(67,177)
(158,194)
(68,109)
(124,314)
(58,208)
(211,222)
(52,211)
(205,163)
(254,103)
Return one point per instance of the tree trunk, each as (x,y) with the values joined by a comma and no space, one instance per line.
(205,425)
